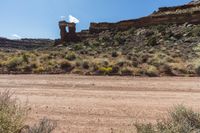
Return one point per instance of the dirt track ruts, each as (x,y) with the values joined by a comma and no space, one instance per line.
(87,104)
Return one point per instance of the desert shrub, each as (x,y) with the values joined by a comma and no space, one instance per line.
(145,128)
(179,120)
(196,31)
(152,41)
(105,70)
(25,58)
(78,63)
(196,49)
(114,54)
(132,30)
(102,62)
(13,116)
(123,62)
(66,66)
(166,70)
(78,46)
(86,65)
(152,71)
(197,70)
(12,63)
(115,70)
(71,56)
(190,69)
(144,58)
(105,39)
(177,35)
(27,68)
(195,64)
(39,69)
(119,38)
(160,28)
(178,68)
(135,61)
(12,113)
(44,126)
(127,71)
(159,59)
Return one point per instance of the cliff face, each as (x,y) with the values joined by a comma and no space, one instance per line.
(189,13)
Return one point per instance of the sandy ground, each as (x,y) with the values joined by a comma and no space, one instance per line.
(83,104)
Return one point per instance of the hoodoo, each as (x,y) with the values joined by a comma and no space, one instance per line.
(69,36)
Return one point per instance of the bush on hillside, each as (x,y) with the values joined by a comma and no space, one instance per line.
(71,56)
(152,41)
(13,62)
(66,66)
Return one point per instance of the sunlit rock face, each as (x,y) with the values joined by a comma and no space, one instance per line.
(188,13)
(70,35)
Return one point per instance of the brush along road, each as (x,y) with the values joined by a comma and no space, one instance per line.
(87,104)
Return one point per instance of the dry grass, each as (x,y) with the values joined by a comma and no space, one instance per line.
(13,116)
(165,50)
(179,120)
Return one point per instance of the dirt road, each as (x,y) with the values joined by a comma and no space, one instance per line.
(101,104)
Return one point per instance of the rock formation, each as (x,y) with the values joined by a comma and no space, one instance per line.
(189,13)
(69,36)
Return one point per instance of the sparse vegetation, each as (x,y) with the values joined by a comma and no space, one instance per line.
(163,50)
(13,116)
(179,120)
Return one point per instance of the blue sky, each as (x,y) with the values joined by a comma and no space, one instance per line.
(39,18)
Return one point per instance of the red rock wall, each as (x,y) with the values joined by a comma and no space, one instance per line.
(164,9)
(149,21)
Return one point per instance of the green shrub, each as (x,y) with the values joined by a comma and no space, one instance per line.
(12,63)
(152,71)
(44,126)
(115,70)
(198,70)
(78,46)
(166,70)
(13,116)
(127,71)
(121,63)
(114,54)
(180,120)
(119,38)
(71,56)
(152,41)
(12,113)
(86,65)
(39,69)
(66,66)
(105,70)
(178,68)
(132,30)
(196,31)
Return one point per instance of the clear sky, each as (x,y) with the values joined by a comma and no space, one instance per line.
(39,18)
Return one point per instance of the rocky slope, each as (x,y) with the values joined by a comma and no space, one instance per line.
(195,2)
(155,50)
(161,50)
